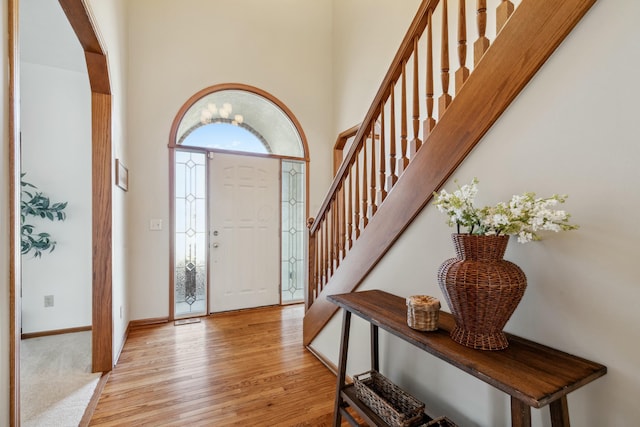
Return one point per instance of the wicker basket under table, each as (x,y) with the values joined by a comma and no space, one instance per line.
(395,406)
(439,422)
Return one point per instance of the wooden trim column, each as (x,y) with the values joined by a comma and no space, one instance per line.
(15,325)
(102,312)
(102,184)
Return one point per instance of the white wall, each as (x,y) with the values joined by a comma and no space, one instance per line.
(179,48)
(366,37)
(56,157)
(111,20)
(572,130)
(4,214)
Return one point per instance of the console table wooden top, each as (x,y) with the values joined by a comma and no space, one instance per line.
(532,373)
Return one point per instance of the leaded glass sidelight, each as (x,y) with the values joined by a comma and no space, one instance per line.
(293,230)
(190,233)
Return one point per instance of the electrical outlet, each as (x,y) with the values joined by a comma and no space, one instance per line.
(48,300)
(155,224)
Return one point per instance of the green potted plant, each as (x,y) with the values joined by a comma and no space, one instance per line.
(35,204)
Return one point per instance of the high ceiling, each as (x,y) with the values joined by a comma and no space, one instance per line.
(46,37)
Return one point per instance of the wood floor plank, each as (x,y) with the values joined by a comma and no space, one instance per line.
(244,368)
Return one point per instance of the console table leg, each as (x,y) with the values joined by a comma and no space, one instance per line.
(520,413)
(342,367)
(559,412)
(375,364)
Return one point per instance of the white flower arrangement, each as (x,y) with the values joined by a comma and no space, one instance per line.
(524,215)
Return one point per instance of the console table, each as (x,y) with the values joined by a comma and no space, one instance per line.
(533,375)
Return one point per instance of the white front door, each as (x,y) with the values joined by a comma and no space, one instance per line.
(244,237)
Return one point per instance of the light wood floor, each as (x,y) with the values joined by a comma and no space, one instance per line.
(245,368)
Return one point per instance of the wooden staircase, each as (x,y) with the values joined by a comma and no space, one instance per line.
(386,180)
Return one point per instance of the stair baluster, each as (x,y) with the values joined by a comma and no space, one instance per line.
(382,178)
(463,72)
(482,44)
(415,142)
(503,12)
(393,177)
(445,98)
(429,122)
(404,160)
(350,211)
(356,199)
(365,194)
(372,180)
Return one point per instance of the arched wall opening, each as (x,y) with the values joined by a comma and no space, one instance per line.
(96,60)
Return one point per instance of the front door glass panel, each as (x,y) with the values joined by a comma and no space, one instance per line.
(190,268)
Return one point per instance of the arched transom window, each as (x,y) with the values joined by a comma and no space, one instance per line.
(239,120)
(239,160)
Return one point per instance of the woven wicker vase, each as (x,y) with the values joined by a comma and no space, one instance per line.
(482,290)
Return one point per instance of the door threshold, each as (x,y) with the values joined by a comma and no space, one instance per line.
(187,321)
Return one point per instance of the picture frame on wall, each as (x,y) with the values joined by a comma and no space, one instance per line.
(122,175)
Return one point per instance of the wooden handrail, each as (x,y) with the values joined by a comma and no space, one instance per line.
(526,40)
(404,53)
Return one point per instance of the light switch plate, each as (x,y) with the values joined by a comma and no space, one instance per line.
(155,224)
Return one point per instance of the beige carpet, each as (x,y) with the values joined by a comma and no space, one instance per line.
(56,383)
